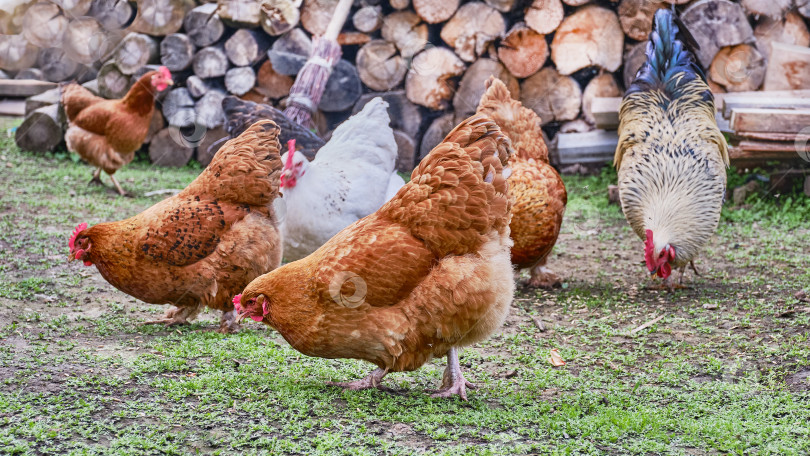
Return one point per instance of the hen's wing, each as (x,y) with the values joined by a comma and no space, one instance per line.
(241,114)
(76,98)
(246,170)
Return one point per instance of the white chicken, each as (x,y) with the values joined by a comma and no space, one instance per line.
(351,176)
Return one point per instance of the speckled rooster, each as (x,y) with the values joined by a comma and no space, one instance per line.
(671,157)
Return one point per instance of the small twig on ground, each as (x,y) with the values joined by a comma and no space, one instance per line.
(539,323)
(647,325)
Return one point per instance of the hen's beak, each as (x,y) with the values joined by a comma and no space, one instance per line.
(654,271)
(241,316)
(170,81)
(71,257)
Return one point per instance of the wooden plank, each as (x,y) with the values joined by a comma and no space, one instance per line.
(767,146)
(596,146)
(765,136)
(770,120)
(783,99)
(737,154)
(788,67)
(24,87)
(605,112)
(14,108)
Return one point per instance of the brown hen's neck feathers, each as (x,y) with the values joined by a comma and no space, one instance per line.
(141,96)
(520,123)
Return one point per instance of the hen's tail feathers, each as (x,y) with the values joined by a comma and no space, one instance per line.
(241,114)
(458,193)
(246,170)
(671,62)
(521,124)
(76,98)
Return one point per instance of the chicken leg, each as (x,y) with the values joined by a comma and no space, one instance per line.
(121,191)
(453,381)
(543,277)
(176,316)
(372,380)
(228,323)
(96,180)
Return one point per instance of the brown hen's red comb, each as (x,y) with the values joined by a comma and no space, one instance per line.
(79,229)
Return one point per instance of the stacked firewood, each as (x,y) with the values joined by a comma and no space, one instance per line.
(430,57)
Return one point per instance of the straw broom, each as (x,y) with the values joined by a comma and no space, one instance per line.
(306,92)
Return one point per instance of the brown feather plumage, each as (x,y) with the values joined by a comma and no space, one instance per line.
(536,189)
(427,272)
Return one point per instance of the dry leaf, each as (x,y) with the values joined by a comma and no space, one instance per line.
(555,359)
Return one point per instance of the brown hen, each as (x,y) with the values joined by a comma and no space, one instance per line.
(203,245)
(538,194)
(106,133)
(425,274)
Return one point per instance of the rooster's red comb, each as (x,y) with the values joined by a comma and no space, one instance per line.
(81,227)
(290,153)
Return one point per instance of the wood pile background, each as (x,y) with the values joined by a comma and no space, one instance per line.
(429,58)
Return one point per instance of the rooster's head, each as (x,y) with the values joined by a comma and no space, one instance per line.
(162,79)
(255,307)
(658,261)
(294,166)
(79,244)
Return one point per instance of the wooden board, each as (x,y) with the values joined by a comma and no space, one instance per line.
(789,99)
(596,146)
(14,108)
(24,87)
(770,120)
(605,112)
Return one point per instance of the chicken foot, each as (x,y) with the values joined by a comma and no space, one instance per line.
(96,180)
(176,316)
(372,380)
(121,191)
(228,323)
(453,381)
(543,277)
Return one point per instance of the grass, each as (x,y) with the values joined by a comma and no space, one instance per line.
(725,371)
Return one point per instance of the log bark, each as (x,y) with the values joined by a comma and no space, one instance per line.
(295,41)
(406,151)
(135,51)
(554,97)
(178,108)
(168,148)
(791,30)
(503,6)
(342,89)
(316,14)
(74,8)
(113,14)
(406,30)
(42,100)
(379,66)
(603,85)
(774,9)
(87,42)
(44,25)
(716,24)
(523,51)
(405,116)
(161,17)
(636,17)
(738,68)
(272,84)
(436,133)
(368,19)
(41,131)
(435,11)
(353,38)
(473,84)
(240,13)
(209,109)
(544,16)
(212,136)
(279,16)
(591,36)
(634,57)
(246,47)
(112,83)
(400,4)
(176,52)
(56,66)
(474,26)
(203,25)
(31,73)
(239,80)
(210,62)
(196,86)
(16,53)
(428,80)
(789,68)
